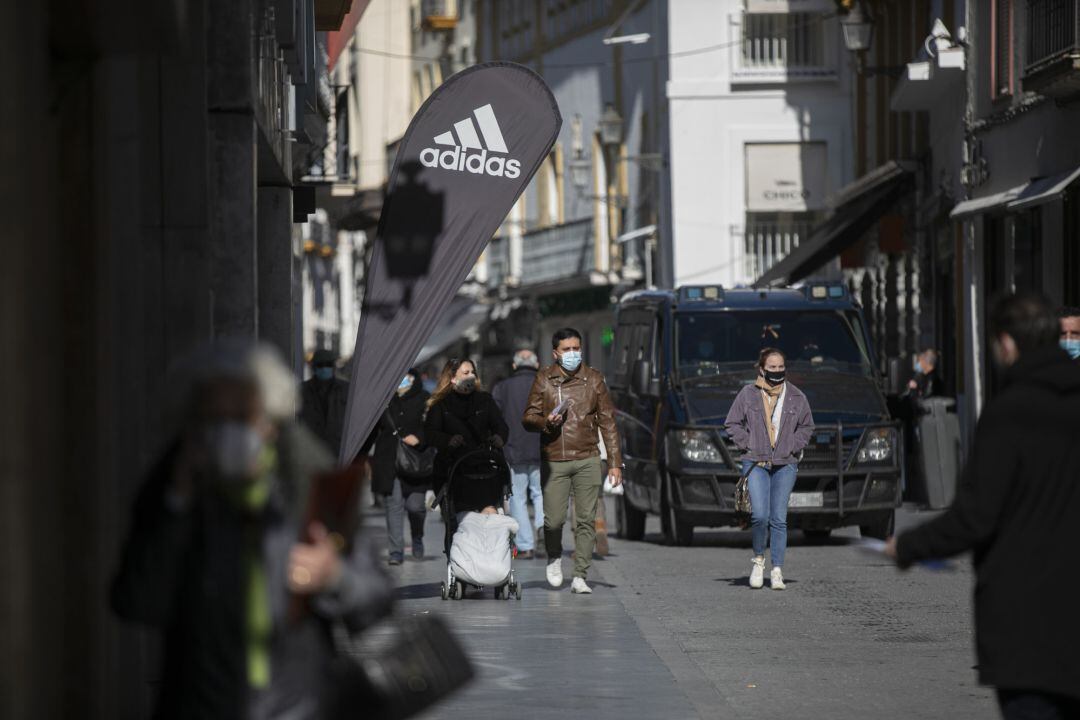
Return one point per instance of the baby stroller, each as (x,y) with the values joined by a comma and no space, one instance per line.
(486,475)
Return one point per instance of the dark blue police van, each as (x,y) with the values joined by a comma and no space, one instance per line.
(679,359)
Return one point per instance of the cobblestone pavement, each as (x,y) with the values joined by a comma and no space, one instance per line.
(674,632)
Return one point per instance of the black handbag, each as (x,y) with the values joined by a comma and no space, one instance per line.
(395,669)
(410,462)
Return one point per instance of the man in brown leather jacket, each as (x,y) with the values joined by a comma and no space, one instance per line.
(568,403)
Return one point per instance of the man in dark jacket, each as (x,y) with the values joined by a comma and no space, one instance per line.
(215,562)
(1016,508)
(323,400)
(522,451)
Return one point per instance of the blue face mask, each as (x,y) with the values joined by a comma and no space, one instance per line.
(324,373)
(405,384)
(1072,346)
(918,367)
(570,360)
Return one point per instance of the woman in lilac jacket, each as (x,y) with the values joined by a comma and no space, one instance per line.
(770,421)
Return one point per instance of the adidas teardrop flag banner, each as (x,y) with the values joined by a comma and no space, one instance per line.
(468,154)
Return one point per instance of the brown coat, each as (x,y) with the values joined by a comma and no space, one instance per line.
(589,409)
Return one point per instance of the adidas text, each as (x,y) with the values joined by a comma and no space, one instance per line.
(477,163)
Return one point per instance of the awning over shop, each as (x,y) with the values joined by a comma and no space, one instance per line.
(1022,197)
(463,316)
(856,208)
(1044,190)
(988,203)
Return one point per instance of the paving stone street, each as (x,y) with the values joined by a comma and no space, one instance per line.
(676,632)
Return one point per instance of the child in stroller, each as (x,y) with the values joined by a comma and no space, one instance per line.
(479,538)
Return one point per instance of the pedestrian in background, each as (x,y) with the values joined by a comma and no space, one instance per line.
(1069,319)
(771,422)
(568,403)
(403,422)
(923,383)
(323,399)
(213,560)
(461,418)
(1016,509)
(522,451)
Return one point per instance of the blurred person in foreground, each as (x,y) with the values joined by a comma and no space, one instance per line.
(213,559)
(323,401)
(522,451)
(1069,320)
(1016,509)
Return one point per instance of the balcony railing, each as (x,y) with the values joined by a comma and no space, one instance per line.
(553,254)
(1052,58)
(782,46)
(439,14)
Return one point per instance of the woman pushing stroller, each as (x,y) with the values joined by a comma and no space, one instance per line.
(462,418)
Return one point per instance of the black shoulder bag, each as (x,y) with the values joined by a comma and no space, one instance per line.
(410,462)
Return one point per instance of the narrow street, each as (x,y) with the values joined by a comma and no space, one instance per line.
(675,632)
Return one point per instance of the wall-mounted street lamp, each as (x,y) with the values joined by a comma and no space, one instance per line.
(858,28)
(611,128)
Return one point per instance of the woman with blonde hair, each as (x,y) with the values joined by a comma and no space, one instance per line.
(461,417)
(770,421)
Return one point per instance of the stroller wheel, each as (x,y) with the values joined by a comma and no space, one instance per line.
(517,590)
(459,590)
(445,592)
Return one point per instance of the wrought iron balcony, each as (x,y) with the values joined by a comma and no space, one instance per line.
(438,14)
(550,255)
(1052,61)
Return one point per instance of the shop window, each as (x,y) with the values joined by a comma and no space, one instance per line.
(1071,247)
(1027,251)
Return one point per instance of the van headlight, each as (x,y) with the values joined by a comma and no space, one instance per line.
(877,446)
(697,446)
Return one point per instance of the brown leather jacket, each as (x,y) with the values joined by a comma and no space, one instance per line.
(589,408)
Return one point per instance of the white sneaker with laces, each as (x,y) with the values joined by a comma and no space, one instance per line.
(776,579)
(757,573)
(554,573)
(580,587)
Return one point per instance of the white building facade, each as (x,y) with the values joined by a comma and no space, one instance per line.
(761,117)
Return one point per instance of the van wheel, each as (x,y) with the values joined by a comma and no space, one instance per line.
(677,532)
(631,521)
(881,527)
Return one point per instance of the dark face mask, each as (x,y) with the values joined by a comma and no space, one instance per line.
(466,385)
(775,378)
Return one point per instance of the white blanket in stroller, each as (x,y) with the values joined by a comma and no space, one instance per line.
(480,553)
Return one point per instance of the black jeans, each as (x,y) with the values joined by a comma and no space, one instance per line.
(1036,705)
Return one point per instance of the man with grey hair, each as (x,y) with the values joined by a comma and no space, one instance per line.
(522,451)
(214,558)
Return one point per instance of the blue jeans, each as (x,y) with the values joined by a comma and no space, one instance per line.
(525,481)
(769,493)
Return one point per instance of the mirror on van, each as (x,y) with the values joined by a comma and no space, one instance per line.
(643,381)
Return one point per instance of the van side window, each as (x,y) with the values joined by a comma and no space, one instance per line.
(623,336)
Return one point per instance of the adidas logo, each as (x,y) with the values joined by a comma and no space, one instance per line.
(459,158)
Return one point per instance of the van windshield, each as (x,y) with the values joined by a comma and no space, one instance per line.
(721,343)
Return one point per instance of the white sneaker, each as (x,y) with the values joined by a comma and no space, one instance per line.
(579,586)
(776,579)
(554,573)
(757,573)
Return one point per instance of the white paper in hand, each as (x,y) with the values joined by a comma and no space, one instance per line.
(612,489)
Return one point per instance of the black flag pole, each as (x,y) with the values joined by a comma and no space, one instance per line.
(467,155)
